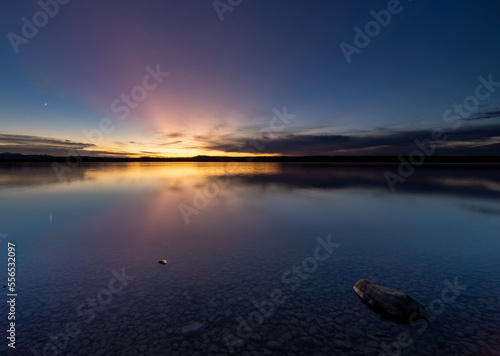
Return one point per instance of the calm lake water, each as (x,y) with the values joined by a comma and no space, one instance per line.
(265,255)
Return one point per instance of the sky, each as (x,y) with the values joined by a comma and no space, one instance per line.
(181,78)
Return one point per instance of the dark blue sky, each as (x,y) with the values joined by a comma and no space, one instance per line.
(63,88)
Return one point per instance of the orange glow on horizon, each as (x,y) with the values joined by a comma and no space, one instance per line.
(179,153)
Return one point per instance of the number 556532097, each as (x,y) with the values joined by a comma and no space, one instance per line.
(11,266)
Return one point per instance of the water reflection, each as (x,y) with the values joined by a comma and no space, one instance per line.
(441,223)
(451,180)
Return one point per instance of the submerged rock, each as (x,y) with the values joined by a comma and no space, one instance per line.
(389,303)
(193,329)
(274,345)
(307,341)
(163,262)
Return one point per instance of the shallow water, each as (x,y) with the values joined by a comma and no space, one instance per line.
(258,252)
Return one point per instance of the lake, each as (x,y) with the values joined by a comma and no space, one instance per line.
(264,255)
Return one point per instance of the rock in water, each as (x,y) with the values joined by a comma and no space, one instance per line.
(390,304)
(163,262)
(274,345)
(193,329)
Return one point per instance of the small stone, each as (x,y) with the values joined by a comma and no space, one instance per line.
(464,315)
(342,344)
(307,341)
(213,349)
(301,316)
(142,348)
(162,262)
(353,334)
(274,345)
(255,337)
(193,329)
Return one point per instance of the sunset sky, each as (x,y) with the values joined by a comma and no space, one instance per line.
(230,73)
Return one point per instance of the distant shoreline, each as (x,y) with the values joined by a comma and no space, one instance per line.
(474,161)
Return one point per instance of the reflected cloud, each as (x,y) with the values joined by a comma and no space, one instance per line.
(487,210)
(428,180)
(14,175)
(187,176)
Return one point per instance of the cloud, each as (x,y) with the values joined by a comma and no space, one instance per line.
(173,135)
(474,141)
(38,145)
(171,143)
(492,114)
(290,144)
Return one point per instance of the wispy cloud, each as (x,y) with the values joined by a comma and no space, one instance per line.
(39,144)
(475,140)
(171,143)
(484,115)
(27,144)
(172,135)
